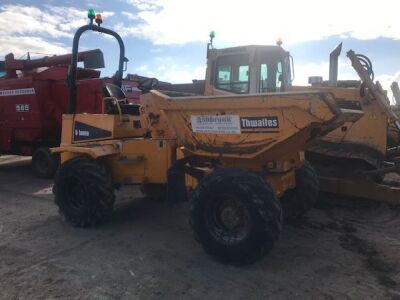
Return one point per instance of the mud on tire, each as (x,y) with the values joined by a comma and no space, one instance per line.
(298,201)
(84,192)
(236,216)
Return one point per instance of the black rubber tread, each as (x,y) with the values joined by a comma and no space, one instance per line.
(298,201)
(260,201)
(45,163)
(96,196)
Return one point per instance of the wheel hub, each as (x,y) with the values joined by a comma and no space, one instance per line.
(230,217)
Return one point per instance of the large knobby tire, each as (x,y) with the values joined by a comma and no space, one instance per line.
(84,192)
(236,216)
(298,201)
(45,163)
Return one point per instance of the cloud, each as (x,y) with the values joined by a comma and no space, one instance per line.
(386,80)
(151,5)
(177,75)
(170,71)
(142,68)
(124,30)
(253,21)
(304,70)
(38,29)
(29,19)
(345,72)
(130,15)
(20,45)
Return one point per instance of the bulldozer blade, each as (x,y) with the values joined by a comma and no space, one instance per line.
(361,188)
(350,115)
(347,115)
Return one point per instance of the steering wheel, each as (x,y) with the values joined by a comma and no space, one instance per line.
(148,84)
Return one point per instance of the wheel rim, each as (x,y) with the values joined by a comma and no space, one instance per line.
(228,219)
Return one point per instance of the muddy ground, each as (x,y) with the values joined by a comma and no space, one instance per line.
(342,250)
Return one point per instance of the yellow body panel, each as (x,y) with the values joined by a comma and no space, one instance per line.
(133,160)
(142,161)
(119,127)
(297,115)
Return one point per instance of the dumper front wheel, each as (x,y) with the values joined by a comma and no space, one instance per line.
(236,216)
(298,201)
(84,192)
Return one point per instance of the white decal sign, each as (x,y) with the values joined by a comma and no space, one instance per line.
(22,107)
(224,124)
(19,92)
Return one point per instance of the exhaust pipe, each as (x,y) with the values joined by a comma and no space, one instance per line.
(396,92)
(333,65)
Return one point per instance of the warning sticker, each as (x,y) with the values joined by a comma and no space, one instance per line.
(225,124)
(19,92)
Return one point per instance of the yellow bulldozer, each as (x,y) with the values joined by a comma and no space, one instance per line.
(237,157)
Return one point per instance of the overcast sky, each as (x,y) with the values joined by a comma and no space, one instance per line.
(167,38)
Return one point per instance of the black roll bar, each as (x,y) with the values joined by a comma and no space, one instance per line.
(71,79)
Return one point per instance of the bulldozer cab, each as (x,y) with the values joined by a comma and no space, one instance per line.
(248,70)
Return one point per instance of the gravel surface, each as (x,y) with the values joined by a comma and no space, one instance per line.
(345,249)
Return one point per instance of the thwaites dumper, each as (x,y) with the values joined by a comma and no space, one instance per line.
(240,156)
(33,97)
(350,160)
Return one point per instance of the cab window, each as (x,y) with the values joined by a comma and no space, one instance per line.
(271,77)
(233,73)
(279,76)
(263,78)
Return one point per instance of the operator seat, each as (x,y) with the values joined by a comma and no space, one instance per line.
(112,90)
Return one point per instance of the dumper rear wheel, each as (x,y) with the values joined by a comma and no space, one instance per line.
(298,201)
(236,216)
(84,192)
(44,163)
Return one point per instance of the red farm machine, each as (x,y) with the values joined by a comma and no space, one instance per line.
(33,97)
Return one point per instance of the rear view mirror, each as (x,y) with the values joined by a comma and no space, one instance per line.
(125,64)
(95,60)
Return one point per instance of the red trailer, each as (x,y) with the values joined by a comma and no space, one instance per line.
(33,97)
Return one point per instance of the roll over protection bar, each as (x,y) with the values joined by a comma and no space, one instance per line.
(71,79)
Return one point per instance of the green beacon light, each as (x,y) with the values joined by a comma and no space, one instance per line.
(212,36)
(91,15)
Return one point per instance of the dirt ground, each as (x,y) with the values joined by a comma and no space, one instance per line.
(342,250)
